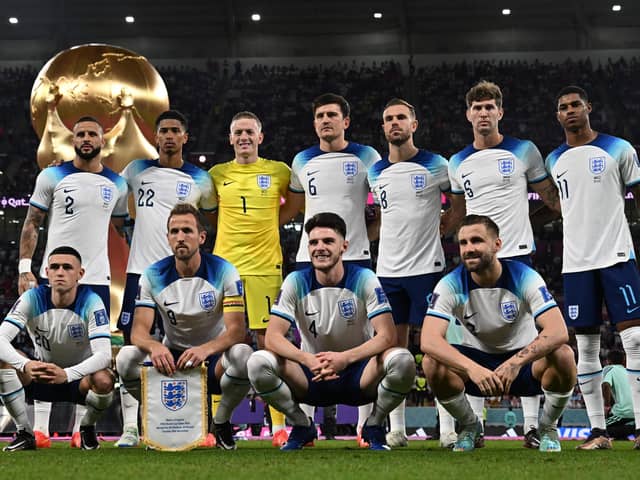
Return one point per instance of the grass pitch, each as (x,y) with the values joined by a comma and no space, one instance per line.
(328,460)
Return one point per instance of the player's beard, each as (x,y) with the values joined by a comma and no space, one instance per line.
(485,261)
(89,155)
(401,140)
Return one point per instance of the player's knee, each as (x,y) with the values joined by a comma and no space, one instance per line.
(236,358)
(261,365)
(102,381)
(127,362)
(400,364)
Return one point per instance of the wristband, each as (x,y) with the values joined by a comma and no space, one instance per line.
(24,265)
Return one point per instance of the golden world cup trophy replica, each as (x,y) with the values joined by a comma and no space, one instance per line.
(125,93)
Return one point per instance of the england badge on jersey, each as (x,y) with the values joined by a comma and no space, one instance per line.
(350,169)
(264,181)
(174,394)
(509,310)
(418,181)
(207,300)
(574,311)
(347,308)
(597,165)
(182,190)
(76,330)
(106,193)
(506,166)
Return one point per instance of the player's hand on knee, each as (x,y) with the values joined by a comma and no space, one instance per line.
(163,360)
(487,381)
(52,374)
(333,362)
(507,373)
(192,357)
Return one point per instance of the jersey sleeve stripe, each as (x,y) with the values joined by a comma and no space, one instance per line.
(283,316)
(439,315)
(294,190)
(636,182)
(14,322)
(99,335)
(539,179)
(378,312)
(120,215)
(457,192)
(37,205)
(146,304)
(544,309)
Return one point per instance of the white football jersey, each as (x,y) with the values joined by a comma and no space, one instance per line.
(331,318)
(591,181)
(409,196)
(335,182)
(64,336)
(156,190)
(498,319)
(191,308)
(494,183)
(79,207)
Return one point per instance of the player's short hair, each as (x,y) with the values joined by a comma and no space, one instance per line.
(187,209)
(616,357)
(484,90)
(573,89)
(89,118)
(328,99)
(327,220)
(246,114)
(489,224)
(173,115)
(65,250)
(404,103)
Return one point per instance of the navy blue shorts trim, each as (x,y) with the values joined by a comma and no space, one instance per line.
(409,296)
(525,385)
(618,286)
(64,392)
(344,390)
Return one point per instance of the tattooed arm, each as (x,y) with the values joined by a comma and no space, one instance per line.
(553,335)
(28,242)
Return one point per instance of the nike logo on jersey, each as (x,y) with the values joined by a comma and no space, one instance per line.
(265,320)
(312,173)
(308,314)
(167,304)
(382,187)
(631,310)
(224,184)
(469,316)
(558,175)
(465,175)
(145,183)
(69,190)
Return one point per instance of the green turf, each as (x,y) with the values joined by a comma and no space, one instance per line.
(328,460)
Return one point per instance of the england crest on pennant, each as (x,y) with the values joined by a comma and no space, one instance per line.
(418,181)
(597,165)
(182,190)
(264,181)
(509,310)
(174,394)
(573,311)
(506,166)
(347,308)
(207,300)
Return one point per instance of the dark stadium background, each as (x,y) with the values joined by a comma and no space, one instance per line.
(216,61)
